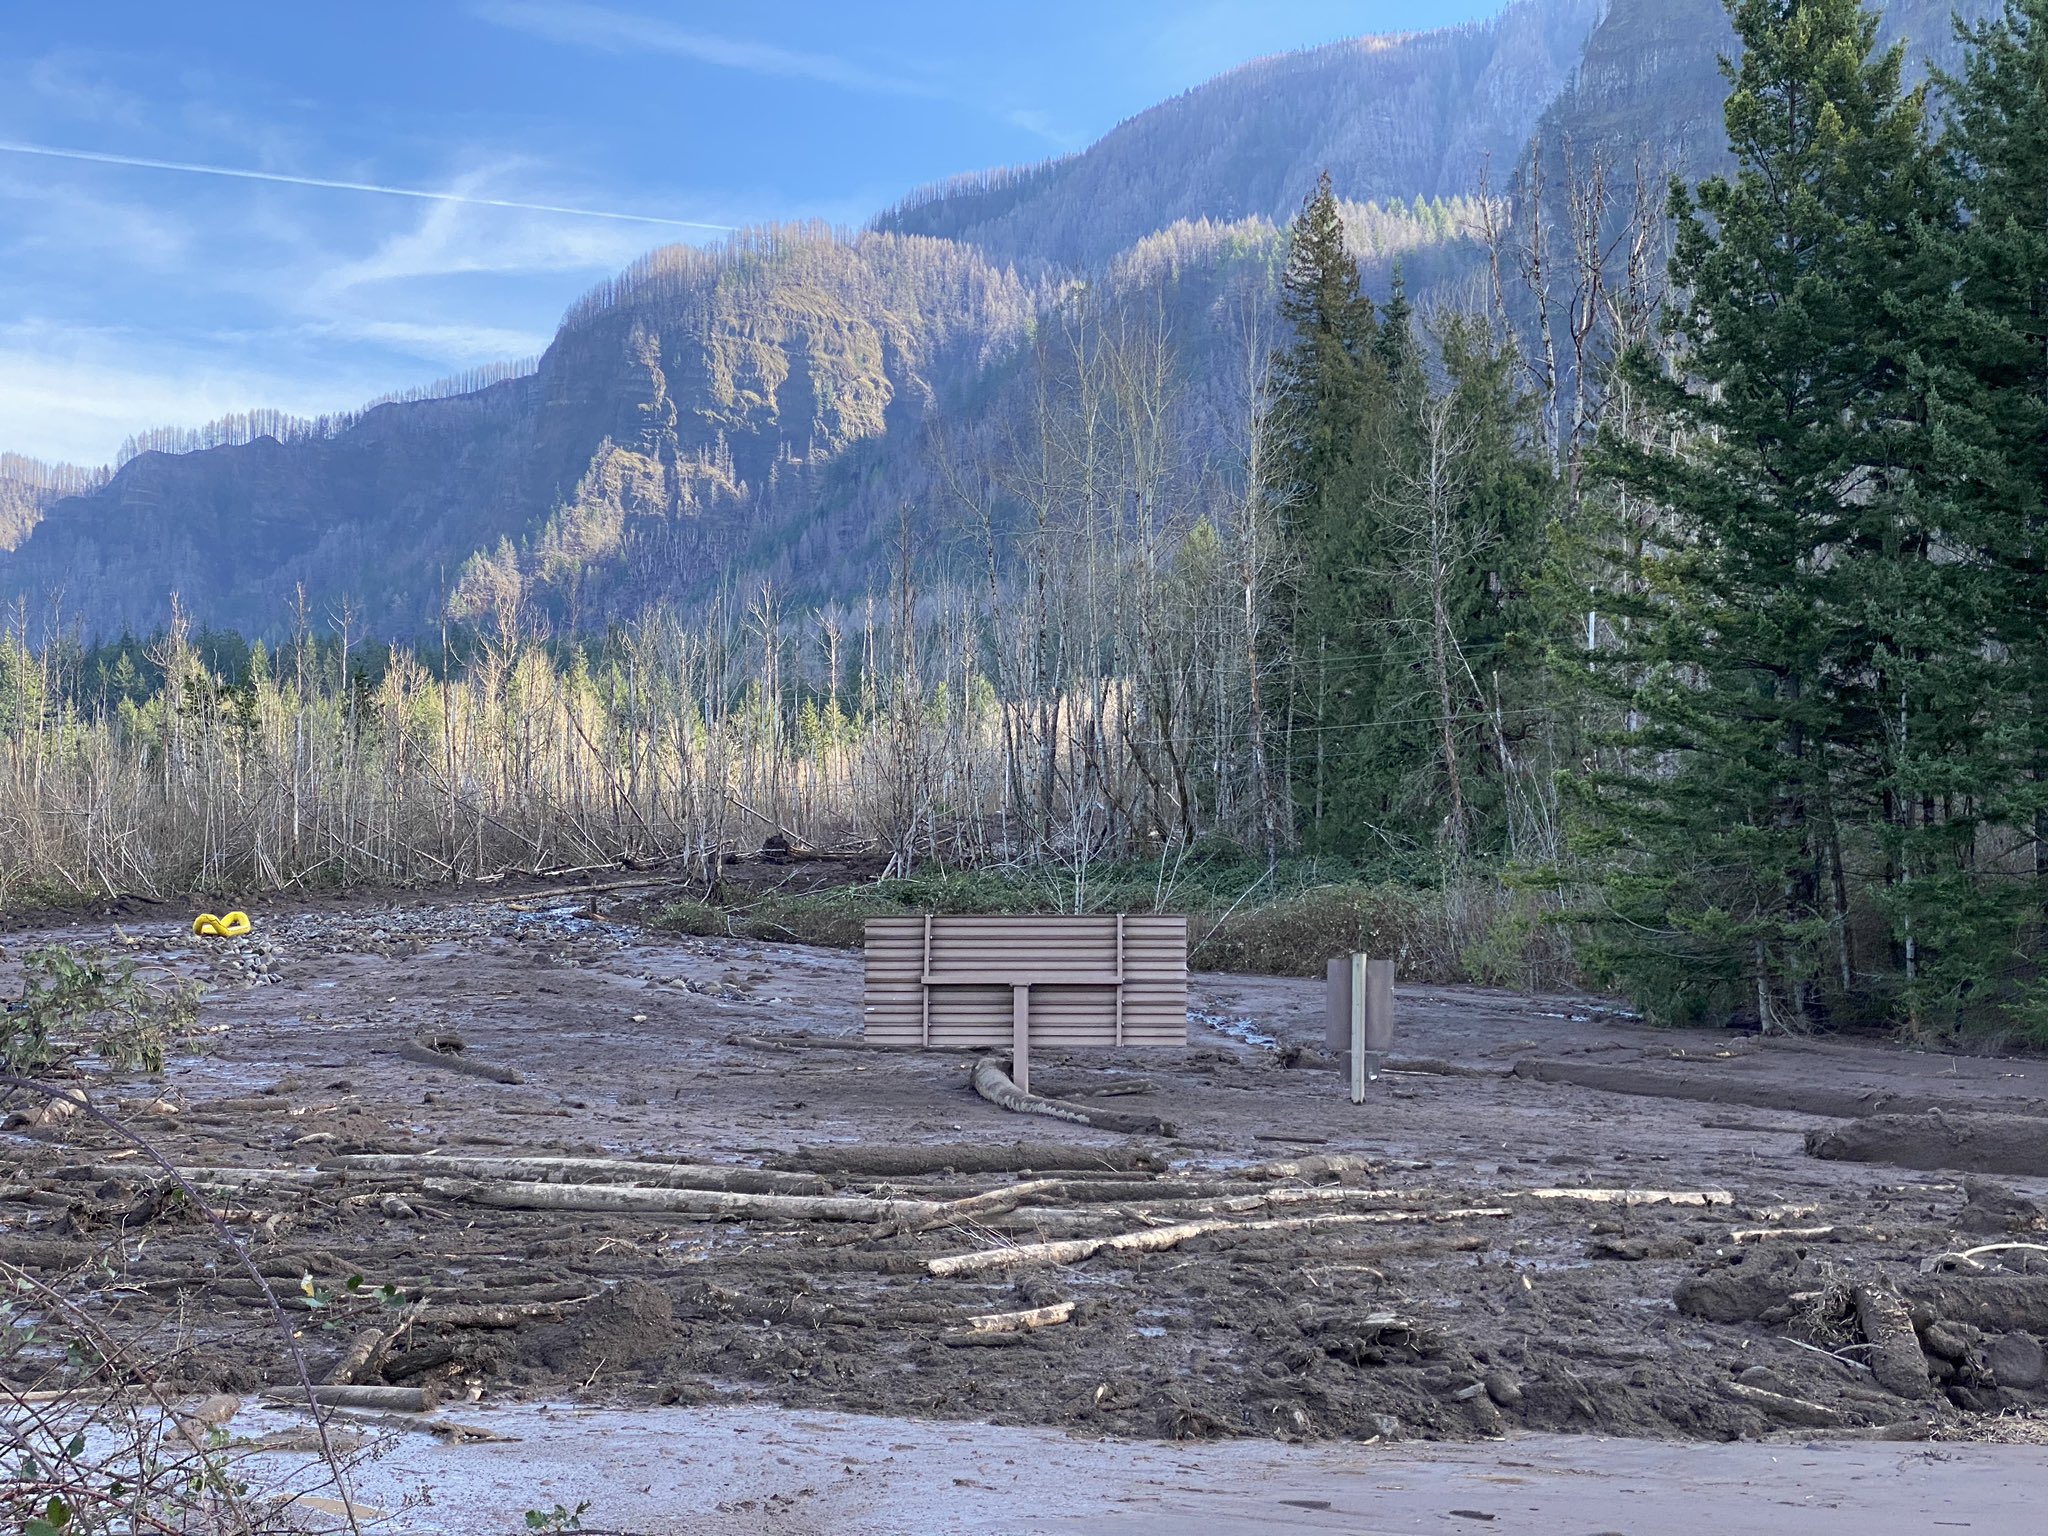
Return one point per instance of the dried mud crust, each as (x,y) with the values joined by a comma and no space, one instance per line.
(1560,1314)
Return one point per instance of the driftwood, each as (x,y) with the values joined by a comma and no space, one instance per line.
(1635,1196)
(910,1215)
(1896,1359)
(1023,1157)
(432,1053)
(522,1196)
(505,1314)
(365,1353)
(1156,1239)
(993,1083)
(1775,1234)
(1793,1410)
(1018,1322)
(1326,1165)
(591,1170)
(336,1395)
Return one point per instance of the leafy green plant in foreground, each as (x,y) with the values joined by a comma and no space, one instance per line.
(79,1000)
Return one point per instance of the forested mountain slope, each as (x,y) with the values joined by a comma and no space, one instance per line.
(766,410)
(698,385)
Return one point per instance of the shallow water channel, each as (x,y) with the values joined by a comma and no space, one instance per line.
(745,1469)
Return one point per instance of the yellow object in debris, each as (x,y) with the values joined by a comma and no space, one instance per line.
(233,926)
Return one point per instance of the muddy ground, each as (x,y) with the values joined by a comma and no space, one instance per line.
(1481,1308)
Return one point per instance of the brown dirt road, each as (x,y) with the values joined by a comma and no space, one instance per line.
(1559,1314)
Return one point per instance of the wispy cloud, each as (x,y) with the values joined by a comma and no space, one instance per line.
(74,393)
(446,242)
(427,194)
(604,29)
(597,26)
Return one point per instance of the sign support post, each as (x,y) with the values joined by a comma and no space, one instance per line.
(1020,1036)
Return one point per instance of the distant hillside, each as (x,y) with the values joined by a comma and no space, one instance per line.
(762,411)
(1391,118)
(678,410)
(29,487)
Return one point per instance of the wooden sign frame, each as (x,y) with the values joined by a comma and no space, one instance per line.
(1099,981)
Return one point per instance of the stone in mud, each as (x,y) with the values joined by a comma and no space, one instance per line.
(1992,1208)
(1751,1286)
(2018,1362)
(1503,1388)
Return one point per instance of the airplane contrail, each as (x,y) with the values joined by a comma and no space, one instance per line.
(241,174)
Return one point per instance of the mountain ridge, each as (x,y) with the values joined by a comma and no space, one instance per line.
(760,411)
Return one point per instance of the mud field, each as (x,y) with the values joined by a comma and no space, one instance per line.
(1549,1218)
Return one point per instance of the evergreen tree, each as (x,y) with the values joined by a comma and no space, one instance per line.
(1988,354)
(1411,512)
(1792,610)
(1324,383)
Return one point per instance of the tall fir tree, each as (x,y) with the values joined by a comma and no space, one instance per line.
(1411,513)
(1988,354)
(1325,382)
(1790,612)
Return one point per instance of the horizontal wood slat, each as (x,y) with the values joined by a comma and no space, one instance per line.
(947,981)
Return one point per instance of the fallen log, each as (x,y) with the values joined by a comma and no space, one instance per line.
(1706,1086)
(1015,1322)
(364,1354)
(454,1061)
(1115,1088)
(336,1395)
(1774,1234)
(504,1315)
(1327,1165)
(590,1170)
(58,1106)
(1793,1410)
(1635,1196)
(519,1196)
(1022,1157)
(993,1083)
(1156,1239)
(1896,1359)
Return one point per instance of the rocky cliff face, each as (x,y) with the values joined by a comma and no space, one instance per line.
(1390,118)
(1649,77)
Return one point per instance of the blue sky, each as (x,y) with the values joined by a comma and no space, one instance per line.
(134,296)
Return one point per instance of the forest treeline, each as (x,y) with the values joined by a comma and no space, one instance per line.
(1732,616)
(1679,592)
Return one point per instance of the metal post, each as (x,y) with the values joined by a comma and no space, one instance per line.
(1359,1073)
(1020,1037)
(925,984)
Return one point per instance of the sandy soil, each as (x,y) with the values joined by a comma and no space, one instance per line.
(1656,1320)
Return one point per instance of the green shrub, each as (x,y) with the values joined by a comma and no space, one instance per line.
(75,1001)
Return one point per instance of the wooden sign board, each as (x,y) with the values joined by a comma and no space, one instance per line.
(1100,981)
